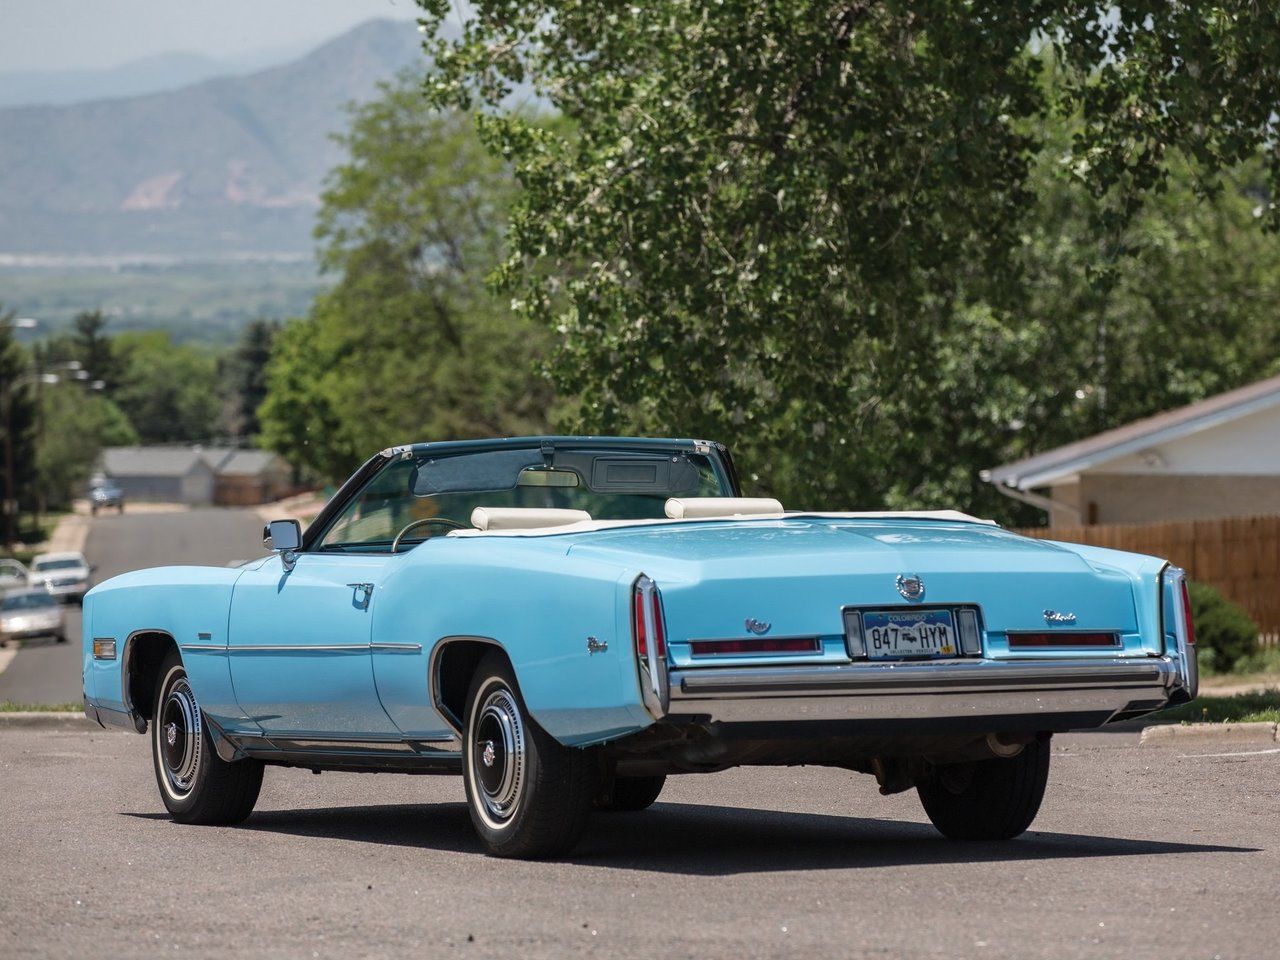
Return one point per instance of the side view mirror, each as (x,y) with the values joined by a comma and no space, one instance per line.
(282,536)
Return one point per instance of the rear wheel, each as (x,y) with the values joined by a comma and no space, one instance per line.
(988,799)
(529,796)
(196,785)
(630,794)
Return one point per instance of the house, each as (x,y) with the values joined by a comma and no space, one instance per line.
(160,474)
(247,477)
(197,476)
(1216,458)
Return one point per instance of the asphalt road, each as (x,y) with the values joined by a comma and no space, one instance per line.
(45,672)
(1138,853)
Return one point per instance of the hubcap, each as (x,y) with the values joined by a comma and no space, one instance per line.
(180,723)
(499,754)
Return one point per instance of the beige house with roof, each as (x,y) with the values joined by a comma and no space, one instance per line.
(1216,458)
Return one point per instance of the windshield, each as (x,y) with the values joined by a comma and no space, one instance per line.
(26,601)
(69,563)
(607,484)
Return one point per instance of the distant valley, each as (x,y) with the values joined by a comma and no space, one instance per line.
(189,209)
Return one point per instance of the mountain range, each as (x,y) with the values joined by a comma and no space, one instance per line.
(226,167)
(161,71)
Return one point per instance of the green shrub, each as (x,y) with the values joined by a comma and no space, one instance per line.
(1224,632)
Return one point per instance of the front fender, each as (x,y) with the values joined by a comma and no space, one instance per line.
(189,605)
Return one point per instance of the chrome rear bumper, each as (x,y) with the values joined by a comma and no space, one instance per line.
(980,694)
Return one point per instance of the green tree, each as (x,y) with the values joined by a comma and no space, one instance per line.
(17,422)
(92,347)
(243,374)
(76,423)
(803,227)
(408,344)
(169,392)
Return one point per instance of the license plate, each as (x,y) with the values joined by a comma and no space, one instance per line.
(895,634)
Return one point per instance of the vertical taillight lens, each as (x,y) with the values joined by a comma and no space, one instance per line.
(644,600)
(1186,612)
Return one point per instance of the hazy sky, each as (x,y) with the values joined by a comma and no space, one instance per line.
(73,34)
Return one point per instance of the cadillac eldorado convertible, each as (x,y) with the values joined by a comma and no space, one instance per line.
(566,621)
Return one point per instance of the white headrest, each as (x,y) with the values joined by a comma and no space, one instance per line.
(696,508)
(524,518)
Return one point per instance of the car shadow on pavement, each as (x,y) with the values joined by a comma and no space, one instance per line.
(705,840)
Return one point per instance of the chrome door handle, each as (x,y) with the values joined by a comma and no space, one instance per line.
(364,588)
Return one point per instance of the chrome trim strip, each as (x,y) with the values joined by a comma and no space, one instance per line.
(300,648)
(926,676)
(220,648)
(397,647)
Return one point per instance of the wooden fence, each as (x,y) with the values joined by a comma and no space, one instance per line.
(1238,555)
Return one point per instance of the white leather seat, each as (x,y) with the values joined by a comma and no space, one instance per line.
(524,518)
(700,508)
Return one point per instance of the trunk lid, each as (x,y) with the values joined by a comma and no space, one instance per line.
(797,574)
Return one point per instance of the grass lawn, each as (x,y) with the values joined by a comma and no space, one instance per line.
(8,706)
(1241,708)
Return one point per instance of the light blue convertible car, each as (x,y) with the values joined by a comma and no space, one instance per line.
(566,621)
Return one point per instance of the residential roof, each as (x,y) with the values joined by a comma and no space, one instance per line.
(1061,462)
(180,461)
(246,463)
(151,461)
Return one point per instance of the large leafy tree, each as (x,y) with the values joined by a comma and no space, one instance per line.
(76,422)
(813,228)
(17,428)
(408,344)
(169,392)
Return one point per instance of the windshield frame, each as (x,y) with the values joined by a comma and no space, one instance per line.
(718,455)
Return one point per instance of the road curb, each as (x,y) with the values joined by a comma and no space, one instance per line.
(1176,732)
(46,720)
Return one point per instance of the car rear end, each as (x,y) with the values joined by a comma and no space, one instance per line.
(970,637)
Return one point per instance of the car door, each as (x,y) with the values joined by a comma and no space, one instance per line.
(299,646)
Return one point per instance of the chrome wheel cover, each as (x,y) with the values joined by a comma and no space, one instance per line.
(178,737)
(498,755)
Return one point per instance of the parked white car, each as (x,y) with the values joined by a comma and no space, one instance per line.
(30,613)
(64,575)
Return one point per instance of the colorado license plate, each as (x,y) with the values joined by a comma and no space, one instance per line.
(894,634)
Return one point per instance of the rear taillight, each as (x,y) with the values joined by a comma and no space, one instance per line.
(1186,613)
(1062,638)
(646,600)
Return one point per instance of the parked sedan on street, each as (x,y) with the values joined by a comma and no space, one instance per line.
(65,575)
(31,613)
(565,622)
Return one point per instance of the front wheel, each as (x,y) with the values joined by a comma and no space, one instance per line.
(988,799)
(196,785)
(529,796)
